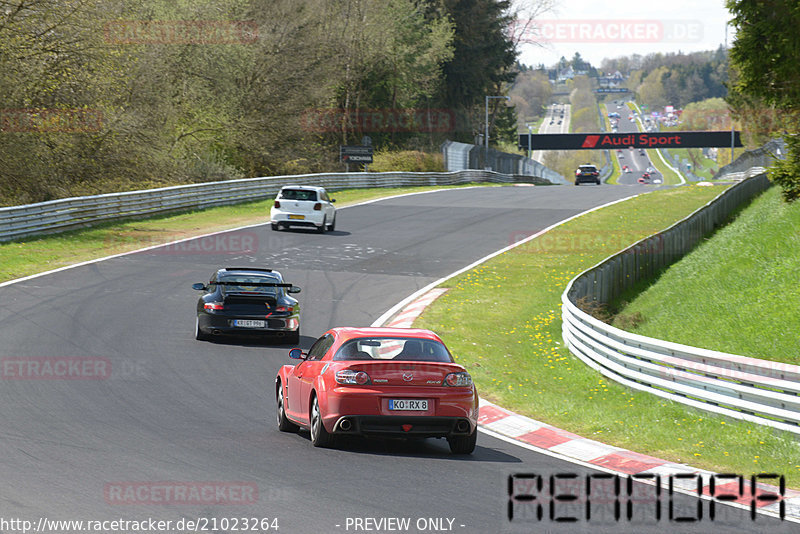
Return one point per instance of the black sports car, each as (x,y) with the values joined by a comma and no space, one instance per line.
(248,301)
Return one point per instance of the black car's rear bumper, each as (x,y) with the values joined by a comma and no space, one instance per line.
(221,324)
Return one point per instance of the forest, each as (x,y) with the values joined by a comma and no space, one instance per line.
(109,95)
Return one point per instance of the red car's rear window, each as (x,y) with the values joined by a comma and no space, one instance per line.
(393,348)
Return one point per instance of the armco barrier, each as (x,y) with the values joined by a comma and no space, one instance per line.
(70,213)
(763,392)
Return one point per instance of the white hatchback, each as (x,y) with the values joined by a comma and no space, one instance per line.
(302,205)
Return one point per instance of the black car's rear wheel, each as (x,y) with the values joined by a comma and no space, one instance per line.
(319,436)
(284,425)
(293,338)
(199,334)
(463,444)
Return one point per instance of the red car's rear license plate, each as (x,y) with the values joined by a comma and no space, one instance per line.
(408,404)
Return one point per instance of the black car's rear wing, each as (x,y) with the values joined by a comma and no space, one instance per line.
(253,284)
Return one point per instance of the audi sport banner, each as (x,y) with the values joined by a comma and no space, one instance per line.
(603,141)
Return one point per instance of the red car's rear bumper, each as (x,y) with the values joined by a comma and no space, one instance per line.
(365,411)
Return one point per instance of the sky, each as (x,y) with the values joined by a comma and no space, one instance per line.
(606,29)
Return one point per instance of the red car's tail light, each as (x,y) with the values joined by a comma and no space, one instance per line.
(213,306)
(277,204)
(349,376)
(317,206)
(458,380)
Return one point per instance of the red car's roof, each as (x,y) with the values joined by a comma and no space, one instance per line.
(349,332)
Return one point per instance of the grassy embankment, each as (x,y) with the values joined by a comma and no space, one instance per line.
(503,322)
(738,292)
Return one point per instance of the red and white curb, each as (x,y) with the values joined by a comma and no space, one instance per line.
(615,459)
(408,315)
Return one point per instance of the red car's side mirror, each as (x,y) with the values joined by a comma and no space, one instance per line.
(296,354)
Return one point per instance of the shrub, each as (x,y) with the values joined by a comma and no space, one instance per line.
(407,161)
(786,172)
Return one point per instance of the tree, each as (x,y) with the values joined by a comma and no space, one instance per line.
(764,58)
(483,59)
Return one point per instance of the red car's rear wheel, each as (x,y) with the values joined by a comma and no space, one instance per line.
(319,436)
(284,425)
(463,444)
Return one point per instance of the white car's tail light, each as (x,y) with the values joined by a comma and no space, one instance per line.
(458,379)
(213,306)
(277,204)
(349,376)
(317,206)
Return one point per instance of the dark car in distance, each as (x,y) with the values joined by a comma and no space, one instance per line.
(247,301)
(587,173)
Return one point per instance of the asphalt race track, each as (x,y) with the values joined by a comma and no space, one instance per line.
(181,413)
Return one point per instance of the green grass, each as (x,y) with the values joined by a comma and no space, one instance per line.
(43,253)
(693,155)
(503,322)
(670,177)
(738,292)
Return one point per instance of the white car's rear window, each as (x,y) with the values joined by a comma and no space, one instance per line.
(298,194)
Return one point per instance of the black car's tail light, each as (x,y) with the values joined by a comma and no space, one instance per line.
(213,306)
(281,309)
(349,376)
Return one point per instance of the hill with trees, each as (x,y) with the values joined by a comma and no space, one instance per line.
(102,96)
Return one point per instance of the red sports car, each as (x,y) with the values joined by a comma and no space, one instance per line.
(376,382)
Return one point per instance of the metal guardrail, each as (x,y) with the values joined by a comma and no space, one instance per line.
(460,156)
(763,392)
(70,213)
(761,157)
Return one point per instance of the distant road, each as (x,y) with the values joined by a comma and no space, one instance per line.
(554,123)
(637,160)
